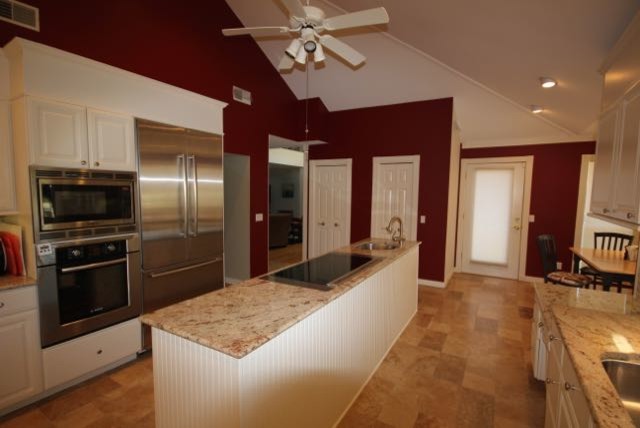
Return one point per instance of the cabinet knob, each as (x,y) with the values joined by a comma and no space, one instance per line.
(83,162)
(321,223)
(630,215)
(1,305)
(552,338)
(97,163)
(540,324)
(99,351)
(569,387)
(605,210)
(336,224)
(549,381)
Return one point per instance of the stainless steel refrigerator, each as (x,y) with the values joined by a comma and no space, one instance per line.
(181,210)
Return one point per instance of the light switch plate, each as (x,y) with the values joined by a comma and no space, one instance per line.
(559,265)
(423,219)
(259,217)
(532,218)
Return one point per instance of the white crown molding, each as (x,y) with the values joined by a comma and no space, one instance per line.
(479,144)
(626,37)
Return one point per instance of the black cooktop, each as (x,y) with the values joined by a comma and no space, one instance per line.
(321,272)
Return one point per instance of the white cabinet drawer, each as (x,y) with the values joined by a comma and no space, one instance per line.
(18,300)
(77,357)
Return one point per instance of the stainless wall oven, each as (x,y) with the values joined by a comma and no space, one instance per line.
(71,203)
(87,285)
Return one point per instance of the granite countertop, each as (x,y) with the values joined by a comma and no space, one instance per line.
(8,282)
(595,325)
(238,319)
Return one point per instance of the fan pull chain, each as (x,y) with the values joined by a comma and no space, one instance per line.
(306,107)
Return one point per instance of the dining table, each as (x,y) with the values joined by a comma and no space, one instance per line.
(611,265)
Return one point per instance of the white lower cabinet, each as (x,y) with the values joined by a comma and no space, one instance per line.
(566,405)
(90,353)
(20,354)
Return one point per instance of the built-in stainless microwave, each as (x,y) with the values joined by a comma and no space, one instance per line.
(75,203)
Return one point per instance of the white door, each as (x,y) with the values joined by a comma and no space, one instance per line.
(492,203)
(111,141)
(57,134)
(395,193)
(329,205)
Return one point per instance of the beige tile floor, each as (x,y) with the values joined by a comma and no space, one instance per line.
(463,361)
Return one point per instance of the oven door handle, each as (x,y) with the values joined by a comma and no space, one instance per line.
(93,265)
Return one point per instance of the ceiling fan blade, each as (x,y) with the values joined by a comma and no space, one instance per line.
(363,18)
(342,49)
(286,63)
(295,8)
(256,31)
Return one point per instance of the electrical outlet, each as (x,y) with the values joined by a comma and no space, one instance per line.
(259,217)
(423,219)
(559,265)
(532,218)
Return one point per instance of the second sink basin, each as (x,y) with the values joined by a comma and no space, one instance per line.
(378,246)
(625,377)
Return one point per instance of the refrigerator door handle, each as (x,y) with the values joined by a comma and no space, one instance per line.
(184,269)
(183,197)
(192,170)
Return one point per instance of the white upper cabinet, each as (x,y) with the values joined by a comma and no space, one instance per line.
(71,136)
(626,199)
(604,167)
(616,179)
(57,134)
(111,141)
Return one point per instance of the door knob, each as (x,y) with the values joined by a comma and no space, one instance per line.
(516,227)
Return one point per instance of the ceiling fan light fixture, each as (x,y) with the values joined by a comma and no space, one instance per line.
(310,46)
(547,82)
(535,109)
(293,48)
(301,56)
(318,55)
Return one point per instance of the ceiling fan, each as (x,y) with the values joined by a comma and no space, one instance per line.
(307,24)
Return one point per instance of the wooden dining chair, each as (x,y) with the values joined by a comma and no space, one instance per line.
(549,256)
(606,241)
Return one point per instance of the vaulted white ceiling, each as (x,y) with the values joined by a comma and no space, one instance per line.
(486,54)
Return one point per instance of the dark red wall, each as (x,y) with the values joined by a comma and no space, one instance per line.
(180,43)
(419,128)
(554,193)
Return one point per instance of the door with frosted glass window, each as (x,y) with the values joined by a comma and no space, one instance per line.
(492,218)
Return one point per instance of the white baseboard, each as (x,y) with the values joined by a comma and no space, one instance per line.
(430,283)
(531,278)
(228,280)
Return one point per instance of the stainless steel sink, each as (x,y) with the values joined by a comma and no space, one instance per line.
(378,246)
(625,377)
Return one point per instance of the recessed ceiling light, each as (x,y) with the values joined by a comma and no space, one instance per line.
(536,109)
(547,82)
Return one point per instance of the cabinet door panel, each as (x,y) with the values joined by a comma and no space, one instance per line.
(111,141)
(7,183)
(605,154)
(626,197)
(58,134)
(22,366)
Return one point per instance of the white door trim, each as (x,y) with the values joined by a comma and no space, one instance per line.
(413,159)
(313,164)
(582,198)
(526,206)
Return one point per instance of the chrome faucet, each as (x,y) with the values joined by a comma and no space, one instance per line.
(396,234)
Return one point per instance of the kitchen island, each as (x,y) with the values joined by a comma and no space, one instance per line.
(263,353)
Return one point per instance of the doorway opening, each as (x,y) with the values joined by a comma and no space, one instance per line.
(494,212)
(287,202)
(237,218)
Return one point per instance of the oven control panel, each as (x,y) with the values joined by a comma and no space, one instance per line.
(91,253)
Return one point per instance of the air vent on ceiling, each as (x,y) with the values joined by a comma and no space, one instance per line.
(241,95)
(20,14)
